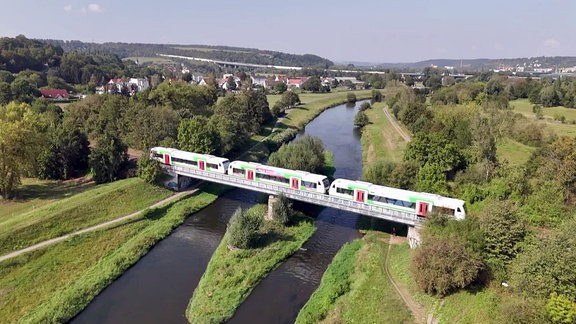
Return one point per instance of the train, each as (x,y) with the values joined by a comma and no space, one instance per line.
(420,203)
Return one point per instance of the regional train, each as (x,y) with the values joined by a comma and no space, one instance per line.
(421,203)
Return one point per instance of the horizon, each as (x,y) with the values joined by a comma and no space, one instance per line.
(369,31)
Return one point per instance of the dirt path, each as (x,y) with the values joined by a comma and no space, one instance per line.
(399,129)
(93,228)
(415,308)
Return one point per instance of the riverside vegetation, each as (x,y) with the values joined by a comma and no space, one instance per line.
(69,274)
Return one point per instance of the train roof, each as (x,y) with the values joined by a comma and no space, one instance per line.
(190,155)
(308,175)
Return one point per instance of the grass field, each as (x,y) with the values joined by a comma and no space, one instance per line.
(524,107)
(514,152)
(472,306)
(355,287)
(66,209)
(232,274)
(380,141)
(151,59)
(55,283)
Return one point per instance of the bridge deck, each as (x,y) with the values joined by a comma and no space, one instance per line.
(305,196)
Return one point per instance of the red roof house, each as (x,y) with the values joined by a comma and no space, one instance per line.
(55,94)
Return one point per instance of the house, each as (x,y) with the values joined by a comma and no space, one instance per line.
(295,82)
(259,80)
(138,84)
(55,94)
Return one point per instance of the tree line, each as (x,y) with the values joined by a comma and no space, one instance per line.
(519,217)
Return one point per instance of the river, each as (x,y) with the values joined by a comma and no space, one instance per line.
(158,287)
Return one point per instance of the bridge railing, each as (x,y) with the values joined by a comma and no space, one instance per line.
(306,196)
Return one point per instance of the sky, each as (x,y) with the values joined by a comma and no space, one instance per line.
(374,31)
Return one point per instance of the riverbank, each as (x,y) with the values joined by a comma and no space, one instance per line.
(355,288)
(59,281)
(232,274)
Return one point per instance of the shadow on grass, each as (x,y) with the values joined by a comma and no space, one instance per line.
(273,236)
(376,224)
(48,191)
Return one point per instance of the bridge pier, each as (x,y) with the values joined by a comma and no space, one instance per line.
(271,201)
(175,181)
(414,236)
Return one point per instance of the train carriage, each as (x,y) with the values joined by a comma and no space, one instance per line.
(420,203)
(284,177)
(204,162)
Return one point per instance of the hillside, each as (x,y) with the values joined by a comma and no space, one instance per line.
(223,53)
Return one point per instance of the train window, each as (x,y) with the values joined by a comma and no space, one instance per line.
(238,171)
(272,178)
(345,191)
(179,160)
(308,184)
(459,210)
(212,165)
(158,155)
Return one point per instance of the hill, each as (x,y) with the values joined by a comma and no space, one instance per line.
(223,53)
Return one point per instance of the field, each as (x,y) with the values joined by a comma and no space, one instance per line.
(55,283)
(152,59)
(380,141)
(47,210)
(514,152)
(355,287)
(524,107)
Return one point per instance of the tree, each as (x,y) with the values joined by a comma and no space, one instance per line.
(243,228)
(280,87)
(350,97)
(312,84)
(436,148)
(231,83)
(198,135)
(148,169)
(561,309)
(107,158)
(306,154)
(361,119)
(377,95)
(548,264)
(20,140)
(5,93)
(379,172)
(290,98)
(282,210)
(65,155)
(444,265)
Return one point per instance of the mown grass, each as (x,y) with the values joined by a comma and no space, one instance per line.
(355,287)
(55,283)
(468,306)
(232,274)
(380,141)
(514,152)
(95,205)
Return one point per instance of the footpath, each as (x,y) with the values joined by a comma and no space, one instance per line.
(95,227)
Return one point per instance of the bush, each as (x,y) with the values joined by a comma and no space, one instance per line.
(244,228)
(282,210)
(444,265)
(351,98)
(377,95)
(148,169)
(365,106)
(361,119)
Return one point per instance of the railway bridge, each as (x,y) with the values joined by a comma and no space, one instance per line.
(410,219)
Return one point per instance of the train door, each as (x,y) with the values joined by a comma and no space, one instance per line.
(294,183)
(167,159)
(202,165)
(359,195)
(421,208)
(250,174)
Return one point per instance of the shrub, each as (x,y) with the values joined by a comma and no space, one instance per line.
(351,98)
(282,210)
(244,228)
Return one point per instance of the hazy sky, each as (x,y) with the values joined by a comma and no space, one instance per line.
(353,30)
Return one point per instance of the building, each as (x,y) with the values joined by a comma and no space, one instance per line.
(55,94)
